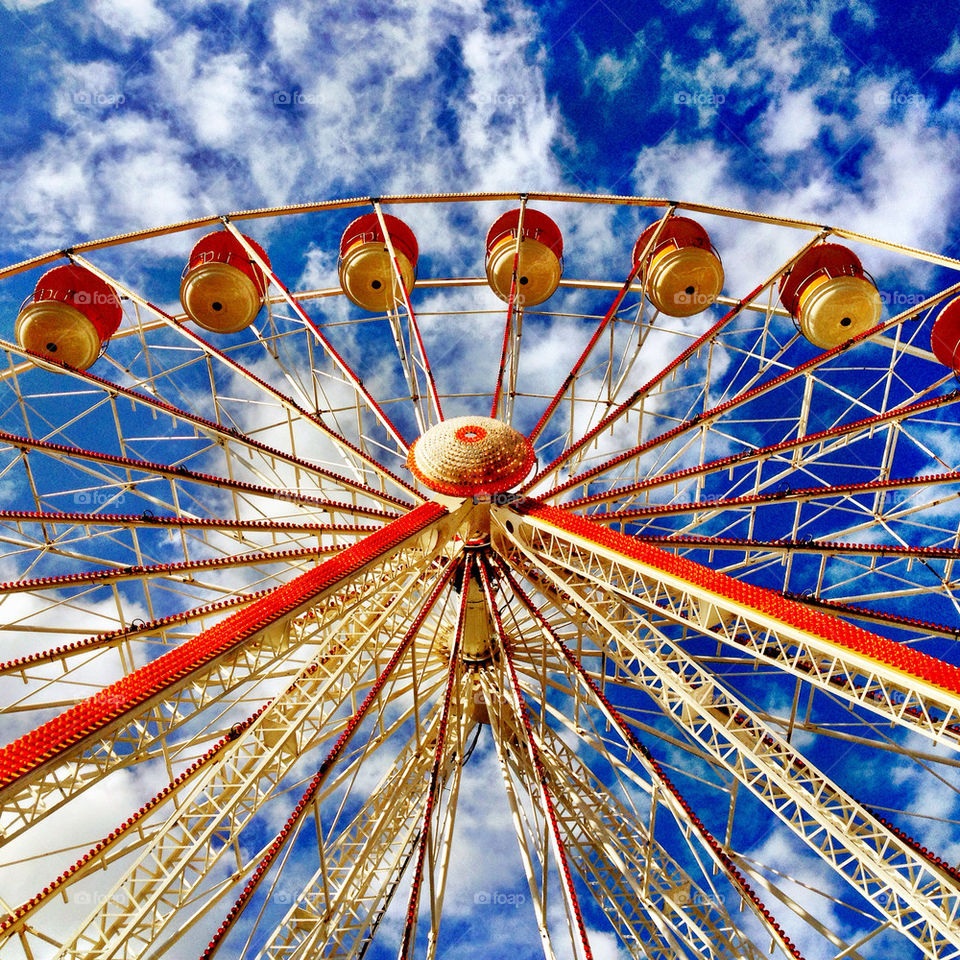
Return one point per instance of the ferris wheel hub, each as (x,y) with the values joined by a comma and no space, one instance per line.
(471,456)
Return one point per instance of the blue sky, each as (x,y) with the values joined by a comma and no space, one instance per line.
(122,114)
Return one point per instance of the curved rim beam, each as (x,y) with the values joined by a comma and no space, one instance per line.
(346,204)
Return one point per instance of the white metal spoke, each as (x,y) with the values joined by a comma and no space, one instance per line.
(349,451)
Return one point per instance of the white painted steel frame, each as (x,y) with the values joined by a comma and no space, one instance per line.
(677,419)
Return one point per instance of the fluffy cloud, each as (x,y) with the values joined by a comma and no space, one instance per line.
(423,98)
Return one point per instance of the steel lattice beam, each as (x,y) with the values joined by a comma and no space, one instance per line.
(599,570)
(349,449)
(586,691)
(334,913)
(182,474)
(904,685)
(226,436)
(659,380)
(118,725)
(173,872)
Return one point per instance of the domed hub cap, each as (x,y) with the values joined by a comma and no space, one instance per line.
(469,456)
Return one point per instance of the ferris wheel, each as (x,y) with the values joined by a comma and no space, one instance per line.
(624,526)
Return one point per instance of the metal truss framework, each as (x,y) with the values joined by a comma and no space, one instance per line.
(227,602)
(632,602)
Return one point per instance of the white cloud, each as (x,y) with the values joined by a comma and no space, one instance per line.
(215,96)
(128,20)
(287,33)
(900,192)
(608,71)
(949,60)
(87,90)
(817,887)
(792,122)
(698,171)
(141,177)
(196,132)
(908,191)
